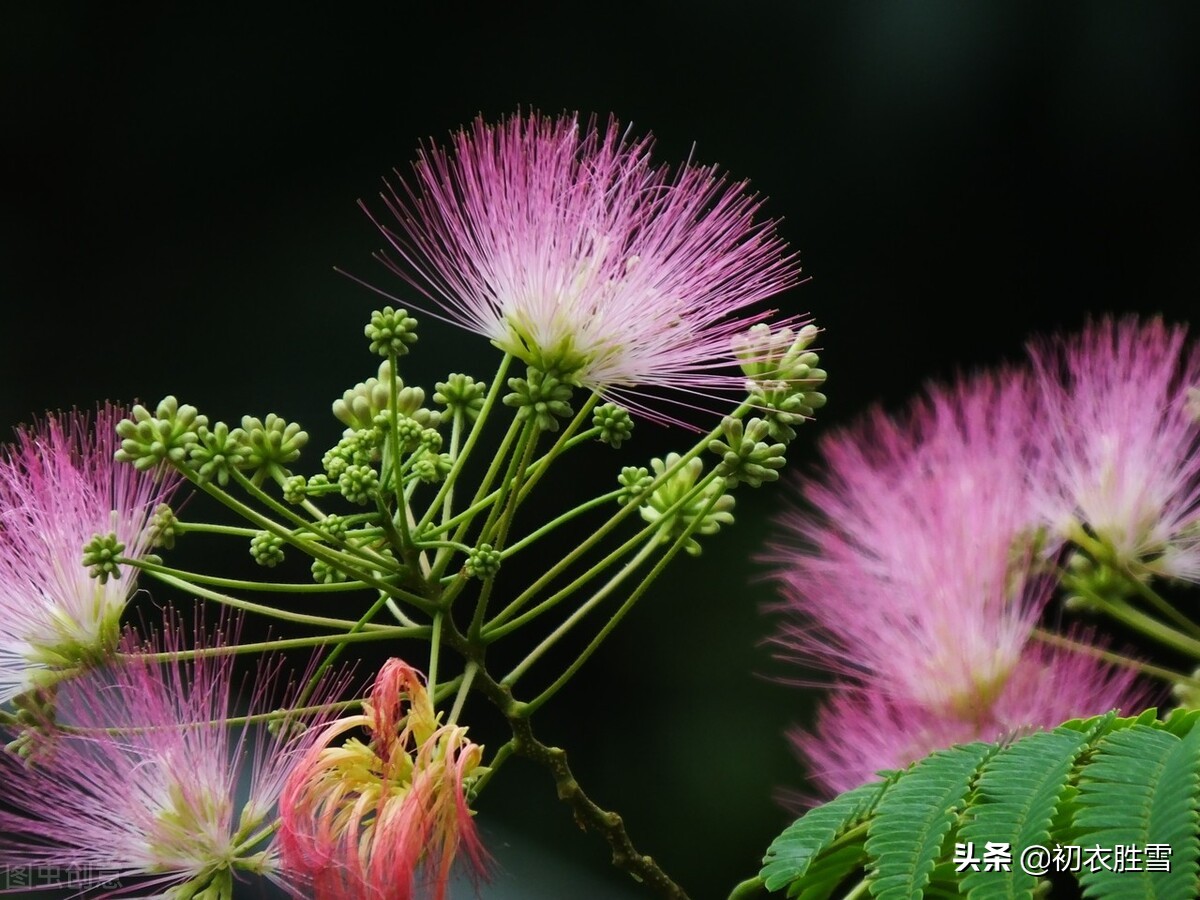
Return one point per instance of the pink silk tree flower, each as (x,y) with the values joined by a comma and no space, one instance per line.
(861,731)
(567,247)
(1123,427)
(910,571)
(385,819)
(135,782)
(60,487)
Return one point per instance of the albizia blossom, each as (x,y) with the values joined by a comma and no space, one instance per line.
(385,819)
(860,732)
(59,487)
(908,563)
(916,571)
(1126,442)
(149,788)
(566,246)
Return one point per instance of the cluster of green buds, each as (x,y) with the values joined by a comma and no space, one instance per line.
(782,381)
(178,435)
(685,503)
(542,396)
(783,376)
(1088,583)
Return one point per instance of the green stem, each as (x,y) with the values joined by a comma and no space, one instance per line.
(516,427)
(680,542)
(584,608)
(1146,624)
(502,755)
(435,646)
(455,438)
(206,528)
(329,660)
(616,519)
(1103,553)
(247,606)
(476,430)
(490,499)
(465,688)
(560,520)
(751,887)
(358,553)
(256,719)
(497,628)
(558,447)
(1116,659)
(383,633)
(237,584)
(393,440)
(315,550)
(500,519)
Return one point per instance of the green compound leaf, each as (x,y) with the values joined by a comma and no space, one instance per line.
(911,820)
(1080,792)
(1014,803)
(790,855)
(829,870)
(1141,791)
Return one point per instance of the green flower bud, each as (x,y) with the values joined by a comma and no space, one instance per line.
(335,525)
(391,331)
(540,395)
(615,424)
(674,489)
(100,556)
(358,484)
(163,527)
(431,441)
(782,406)
(335,464)
(433,468)
(461,392)
(295,489)
(745,457)
(167,434)
(781,355)
(362,403)
(483,562)
(635,481)
(408,434)
(323,573)
(267,549)
(218,451)
(273,442)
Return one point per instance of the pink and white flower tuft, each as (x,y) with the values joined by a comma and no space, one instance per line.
(919,574)
(566,246)
(1126,439)
(59,487)
(149,789)
(911,569)
(387,819)
(861,731)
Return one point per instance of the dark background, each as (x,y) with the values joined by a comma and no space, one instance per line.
(179,184)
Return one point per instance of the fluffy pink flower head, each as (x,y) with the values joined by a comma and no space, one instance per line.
(918,573)
(910,571)
(386,819)
(59,487)
(1127,442)
(861,732)
(150,787)
(567,247)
